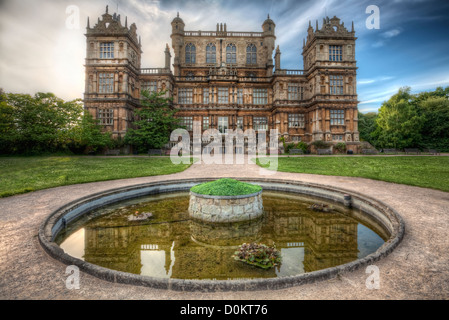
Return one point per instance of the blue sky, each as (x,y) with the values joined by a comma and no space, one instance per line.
(43,46)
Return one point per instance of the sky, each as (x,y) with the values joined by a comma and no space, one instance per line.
(43,47)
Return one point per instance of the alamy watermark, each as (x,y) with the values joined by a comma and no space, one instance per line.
(73,280)
(72,22)
(232,147)
(373,280)
(373,21)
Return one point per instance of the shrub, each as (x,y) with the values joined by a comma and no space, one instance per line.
(302,145)
(288,147)
(340,147)
(320,144)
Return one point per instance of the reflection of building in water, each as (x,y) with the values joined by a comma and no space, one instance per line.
(329,239)
(225,234)
(211,256)
(113,248)
(120,248)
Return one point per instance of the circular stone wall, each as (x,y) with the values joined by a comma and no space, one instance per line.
(225,208)
(371,208)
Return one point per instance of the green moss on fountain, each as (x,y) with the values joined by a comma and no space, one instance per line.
(226,187)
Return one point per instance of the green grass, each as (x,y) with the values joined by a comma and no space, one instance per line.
(25,174)
(422,171)
(226,187)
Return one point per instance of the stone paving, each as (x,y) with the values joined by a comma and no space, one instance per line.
(417,269)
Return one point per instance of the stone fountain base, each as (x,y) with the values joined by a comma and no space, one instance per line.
(225,208)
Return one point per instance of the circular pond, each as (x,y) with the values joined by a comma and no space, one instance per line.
(166,248)
(170,245)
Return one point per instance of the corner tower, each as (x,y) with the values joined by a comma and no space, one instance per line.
(112,66)
(330,68)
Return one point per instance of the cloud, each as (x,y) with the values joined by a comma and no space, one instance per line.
(380,95)
(365,81)
(378,44)
(38,52)
(377,79)
(391,33)
(381,89)
(385,37)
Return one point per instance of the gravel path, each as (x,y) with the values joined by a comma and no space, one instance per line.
(417,269)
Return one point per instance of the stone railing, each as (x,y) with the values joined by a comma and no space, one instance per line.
(218,106)
(192,78)
(255,79)
(289,72)
(155,71)
(223,34)
(223,77)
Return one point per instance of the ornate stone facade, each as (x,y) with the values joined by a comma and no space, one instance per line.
(229,79)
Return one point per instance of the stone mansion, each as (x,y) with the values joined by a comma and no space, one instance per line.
(226,79)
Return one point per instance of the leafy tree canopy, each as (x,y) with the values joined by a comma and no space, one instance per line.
(409,120)
(155,122)
(44,123)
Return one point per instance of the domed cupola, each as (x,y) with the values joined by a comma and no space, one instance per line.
(177,25)
(268,26)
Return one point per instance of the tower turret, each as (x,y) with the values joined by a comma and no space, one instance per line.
(277,59)
(177,37)
(178,25)
(167,57)
(112,69)
(268,28)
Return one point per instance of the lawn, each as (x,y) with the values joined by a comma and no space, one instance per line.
(226,187)
(422,171)
(25,174)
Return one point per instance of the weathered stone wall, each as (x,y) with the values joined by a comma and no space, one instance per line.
(225,209)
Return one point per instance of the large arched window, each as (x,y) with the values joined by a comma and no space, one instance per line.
(251,54)
(231,53)
(211,53)
(190,53)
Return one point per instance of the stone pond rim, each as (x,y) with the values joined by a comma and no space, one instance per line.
(73,210)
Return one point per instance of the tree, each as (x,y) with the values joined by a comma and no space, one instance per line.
(423,96)
(41,122)
(399,123)
(8,130)
(367,126)
(155,123)
(435,130)
(87,136)
(44,123)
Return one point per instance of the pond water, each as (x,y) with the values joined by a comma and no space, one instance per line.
(171,245)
